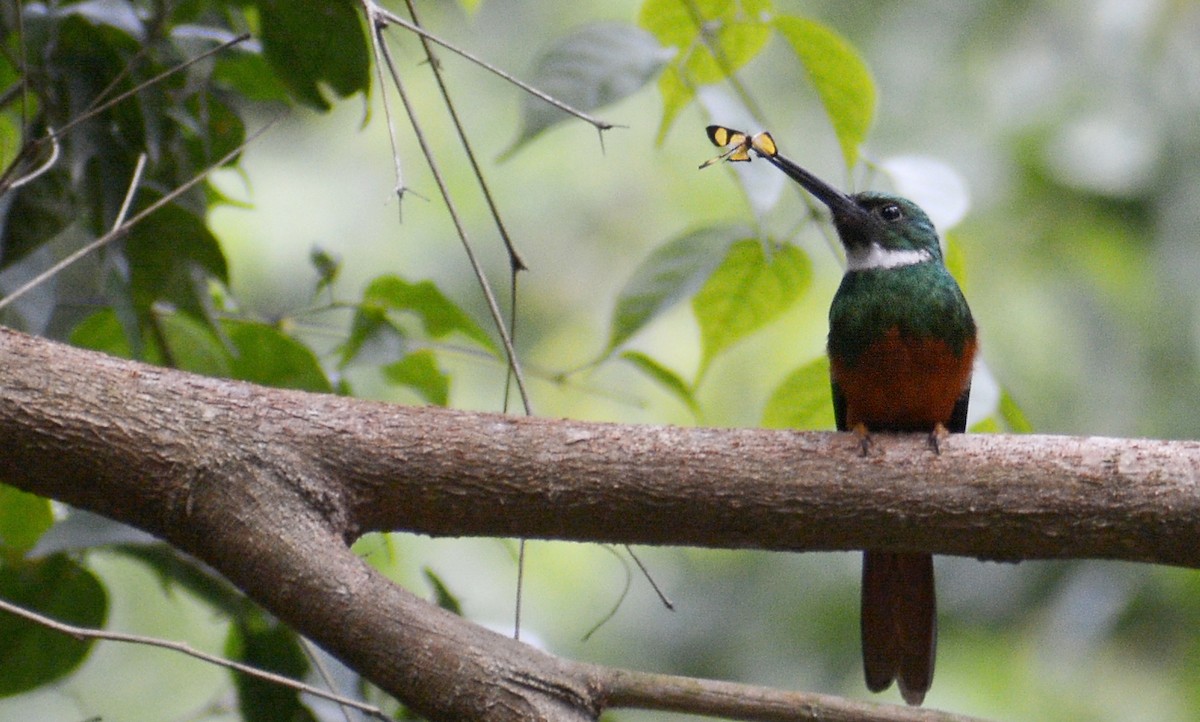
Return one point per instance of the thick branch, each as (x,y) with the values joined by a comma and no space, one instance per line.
(268,486)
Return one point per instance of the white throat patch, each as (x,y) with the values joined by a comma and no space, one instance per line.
(876,257)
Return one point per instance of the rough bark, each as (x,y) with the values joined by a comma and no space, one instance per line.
(270,486)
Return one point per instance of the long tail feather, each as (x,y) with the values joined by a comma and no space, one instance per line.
(899,622)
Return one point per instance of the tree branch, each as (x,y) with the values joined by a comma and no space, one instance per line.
(270,486)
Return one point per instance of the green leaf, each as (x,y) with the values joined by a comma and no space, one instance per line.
(746,292)
(665,377)
(672,272)
(37,213)
(268,644)
(438,314)
(735,30)
(956,261)
(1012,414)
(802,400)
(592,67)
(194,347)
(419,371)
(265,355)
(24,517)
(311,43)
(444,598)
(175,569)
(840,77)
(165,250)
(102,332)
(32,656)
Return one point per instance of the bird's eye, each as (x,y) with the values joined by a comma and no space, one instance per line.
(891,212)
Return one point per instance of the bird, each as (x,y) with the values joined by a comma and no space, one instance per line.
(901,346)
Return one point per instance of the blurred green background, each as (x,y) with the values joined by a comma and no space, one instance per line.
(1071,127)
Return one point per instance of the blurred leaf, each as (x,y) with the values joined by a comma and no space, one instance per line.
(34,214)
(247,72)
(84,530)
(592,67)
(165,250)
(369,326)
(24,518)
(1013,416)
(211,130)
(193,346)
(956,262)
(712,39)
(439,315)
(267,643)
(173,567)
(310,43)
(840,77)
(118,14)
(327,266)
(803,400)
(31,655)
(102,331)
(746,292)
(442,594)
(265,355)
(672,272)
(665,377)
(419,371)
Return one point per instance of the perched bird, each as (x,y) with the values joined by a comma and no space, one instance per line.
(901,348)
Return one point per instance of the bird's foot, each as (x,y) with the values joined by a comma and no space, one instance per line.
(937,437)
(864,438)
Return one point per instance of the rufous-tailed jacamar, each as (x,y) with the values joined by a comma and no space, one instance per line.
(901,347)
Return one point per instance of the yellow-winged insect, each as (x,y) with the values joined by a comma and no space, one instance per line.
(723,137)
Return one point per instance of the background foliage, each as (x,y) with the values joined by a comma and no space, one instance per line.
(1053,144)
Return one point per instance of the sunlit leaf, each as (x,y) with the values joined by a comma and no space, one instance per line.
(746,292)
(314,43)
(665,377)
(438,314)
(671,273)
(802,400)
(1013,416)
(840,77)
(712,40)
(24,517)
(592,67)
(420,372)
(57,587)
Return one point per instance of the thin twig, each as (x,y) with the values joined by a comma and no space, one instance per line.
(480,276)
(123,229)
(310,650)
(514,259)
(376,42)
(377,13)
(131,191)
(620,597)
(183,648)
(662,597)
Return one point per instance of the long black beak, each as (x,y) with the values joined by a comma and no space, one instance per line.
(842,205)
